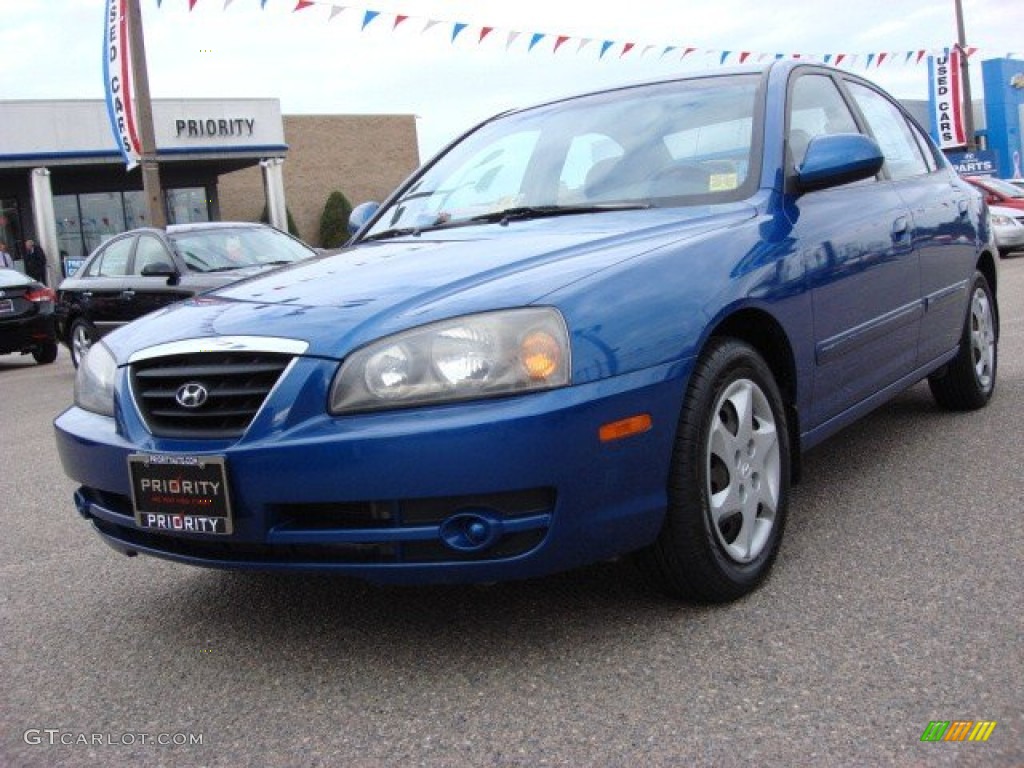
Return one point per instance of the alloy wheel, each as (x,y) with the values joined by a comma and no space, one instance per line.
(744,470)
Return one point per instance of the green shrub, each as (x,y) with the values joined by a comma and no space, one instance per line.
(334,221)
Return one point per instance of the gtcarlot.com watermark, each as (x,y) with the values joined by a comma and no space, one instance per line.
(53,737)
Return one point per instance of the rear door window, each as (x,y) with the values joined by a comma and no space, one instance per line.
(113,262)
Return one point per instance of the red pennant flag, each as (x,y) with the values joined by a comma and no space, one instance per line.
(743,56)
(839,58)
(920,55)
(398,20)
(302,4)
(969,52)
(626,49)
(484,32)
(687,52)
(881,58)
(191,4)
(561,39)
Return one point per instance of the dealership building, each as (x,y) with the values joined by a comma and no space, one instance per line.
(63,181)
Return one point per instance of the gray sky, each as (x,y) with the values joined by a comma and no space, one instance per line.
(317,64)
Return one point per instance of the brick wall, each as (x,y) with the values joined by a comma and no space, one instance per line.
(362,156)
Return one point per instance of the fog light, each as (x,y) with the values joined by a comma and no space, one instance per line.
(471,531)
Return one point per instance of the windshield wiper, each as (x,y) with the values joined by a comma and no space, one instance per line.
(387,234)
(504,216)
(524,212)
(441,222)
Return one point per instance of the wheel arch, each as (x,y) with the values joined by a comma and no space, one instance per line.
(764,333)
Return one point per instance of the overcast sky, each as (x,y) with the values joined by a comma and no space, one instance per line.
(315,63)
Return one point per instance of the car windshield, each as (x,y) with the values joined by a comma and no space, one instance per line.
(1004,188)
(225,248)
(680,143)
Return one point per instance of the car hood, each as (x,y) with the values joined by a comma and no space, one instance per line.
(341,301)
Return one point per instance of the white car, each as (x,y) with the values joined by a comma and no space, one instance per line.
(1008,227)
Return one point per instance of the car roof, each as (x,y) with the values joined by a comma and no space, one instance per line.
(199,226)
(780,66)
(202,225)
(10,278)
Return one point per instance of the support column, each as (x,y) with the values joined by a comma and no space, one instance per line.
(273,188)
(45,221)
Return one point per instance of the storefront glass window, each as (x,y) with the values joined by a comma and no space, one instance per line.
(69,226)
(86,221)
(135,214)
(102,217)
(10,226)
(187,205)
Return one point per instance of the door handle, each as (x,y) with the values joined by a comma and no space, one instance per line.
(127,295)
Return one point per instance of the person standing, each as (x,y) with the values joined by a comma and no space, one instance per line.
(6,260)
(35,262)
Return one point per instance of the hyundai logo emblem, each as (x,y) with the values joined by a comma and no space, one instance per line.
(191,395)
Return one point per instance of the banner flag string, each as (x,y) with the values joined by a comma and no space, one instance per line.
(870,59)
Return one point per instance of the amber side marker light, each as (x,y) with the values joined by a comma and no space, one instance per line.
(617,430)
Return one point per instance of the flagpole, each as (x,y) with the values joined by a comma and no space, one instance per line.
(140,77)
(965,77)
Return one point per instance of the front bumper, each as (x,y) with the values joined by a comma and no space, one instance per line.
(480,491)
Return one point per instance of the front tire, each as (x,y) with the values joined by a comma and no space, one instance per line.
(82,336)
(729,484)
(969,380)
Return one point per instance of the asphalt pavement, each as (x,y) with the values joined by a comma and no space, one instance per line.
(895,602)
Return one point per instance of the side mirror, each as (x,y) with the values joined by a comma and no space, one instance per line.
(161,269)
(836,159)
(360,215)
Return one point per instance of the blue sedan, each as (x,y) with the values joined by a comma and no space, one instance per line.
(606,325)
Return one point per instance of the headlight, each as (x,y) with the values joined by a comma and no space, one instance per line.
(94,382)
(1002,221)
(496,353)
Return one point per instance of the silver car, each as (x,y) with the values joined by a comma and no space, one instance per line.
(1007,228)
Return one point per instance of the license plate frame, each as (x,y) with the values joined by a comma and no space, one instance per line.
(181,493)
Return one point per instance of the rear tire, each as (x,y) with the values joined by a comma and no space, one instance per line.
(46,353)
(81,336)
(968,381)
(729,483)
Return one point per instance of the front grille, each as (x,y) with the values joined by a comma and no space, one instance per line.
(235,384)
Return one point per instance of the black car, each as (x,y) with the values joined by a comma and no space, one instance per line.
(143,270)
(26,317)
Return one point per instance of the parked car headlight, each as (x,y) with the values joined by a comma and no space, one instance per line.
(1000,220)
(94,381)
(495,353)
